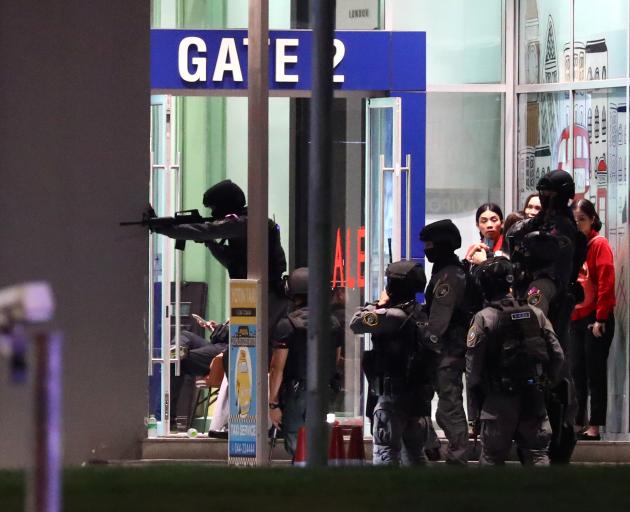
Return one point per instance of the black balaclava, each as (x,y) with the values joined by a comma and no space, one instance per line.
(445,238)
(224,198)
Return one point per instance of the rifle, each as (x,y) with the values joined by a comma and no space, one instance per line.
(155,223)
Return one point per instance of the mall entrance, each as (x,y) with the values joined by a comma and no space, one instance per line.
(200,137)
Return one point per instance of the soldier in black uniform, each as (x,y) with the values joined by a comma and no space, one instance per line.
(446,332)
(547,252)
(287,373)
(225,236)
(398,373)
(512,354)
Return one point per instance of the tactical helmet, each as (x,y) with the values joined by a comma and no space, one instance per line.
(557,181)
(495,276)
(297,282)
(442,232)
(224,198)
(409,271)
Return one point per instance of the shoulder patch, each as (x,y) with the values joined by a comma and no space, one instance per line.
(370,319)
(534,296)
(471,339)
(442,291)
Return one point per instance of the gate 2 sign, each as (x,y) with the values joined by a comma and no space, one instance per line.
(217,59)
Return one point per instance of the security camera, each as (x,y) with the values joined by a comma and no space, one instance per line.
(28,303)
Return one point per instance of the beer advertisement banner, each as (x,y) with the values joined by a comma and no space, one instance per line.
(242,374)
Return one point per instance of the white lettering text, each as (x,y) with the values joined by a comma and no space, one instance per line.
(199,75)
(340,52)
(227,60)
(282,59)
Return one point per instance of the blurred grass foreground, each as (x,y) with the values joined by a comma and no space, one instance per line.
(439,488)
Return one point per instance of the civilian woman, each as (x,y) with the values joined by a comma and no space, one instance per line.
(532,205)
(592,322)
(489,219)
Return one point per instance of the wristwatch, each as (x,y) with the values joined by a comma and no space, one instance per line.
(274,405)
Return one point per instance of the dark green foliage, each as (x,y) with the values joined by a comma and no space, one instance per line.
(186,487)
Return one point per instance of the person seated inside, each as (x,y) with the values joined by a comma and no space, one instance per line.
(196,354)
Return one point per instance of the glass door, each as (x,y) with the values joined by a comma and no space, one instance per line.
(164,261)
(386,180)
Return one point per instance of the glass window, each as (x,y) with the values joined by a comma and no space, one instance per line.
(543,138)
(545,41)
(601,32)
(464,158)
(464,39)
(601,176)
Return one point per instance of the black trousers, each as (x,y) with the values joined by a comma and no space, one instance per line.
(200,354)
(589,367)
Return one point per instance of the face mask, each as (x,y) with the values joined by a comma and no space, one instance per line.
(430,254)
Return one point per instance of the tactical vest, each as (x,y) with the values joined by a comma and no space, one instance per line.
(519,355)
(296,365)
(392,364)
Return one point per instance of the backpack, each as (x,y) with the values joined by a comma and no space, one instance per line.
(521,352)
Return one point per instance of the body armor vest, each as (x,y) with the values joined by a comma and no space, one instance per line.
(519,355)
(393,365)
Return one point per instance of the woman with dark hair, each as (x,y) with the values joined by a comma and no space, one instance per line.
(532,205)
(592,322)
(489,219)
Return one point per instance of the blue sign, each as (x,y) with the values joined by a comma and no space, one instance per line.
(217,59)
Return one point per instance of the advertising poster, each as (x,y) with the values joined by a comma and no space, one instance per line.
(242,374)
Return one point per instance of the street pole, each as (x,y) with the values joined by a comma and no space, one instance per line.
(257,194)
(44,481)
(319,233)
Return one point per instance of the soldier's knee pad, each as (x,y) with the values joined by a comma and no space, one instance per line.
(387,430)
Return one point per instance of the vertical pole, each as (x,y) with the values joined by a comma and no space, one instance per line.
(319,232)
(510,149)
(257,197)
(44,483)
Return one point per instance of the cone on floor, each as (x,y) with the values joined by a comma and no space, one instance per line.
(299,459)
(336,454)
(356,450)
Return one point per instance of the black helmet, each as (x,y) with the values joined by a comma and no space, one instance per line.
(443,233)
(297,282)
(557,181)
(224,198)
(404,279)
(409,271)
(495,276)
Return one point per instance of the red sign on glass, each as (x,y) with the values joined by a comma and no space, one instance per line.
(346,273)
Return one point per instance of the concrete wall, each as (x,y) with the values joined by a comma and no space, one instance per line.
(74,161)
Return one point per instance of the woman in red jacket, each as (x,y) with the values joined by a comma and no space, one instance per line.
(592,322)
